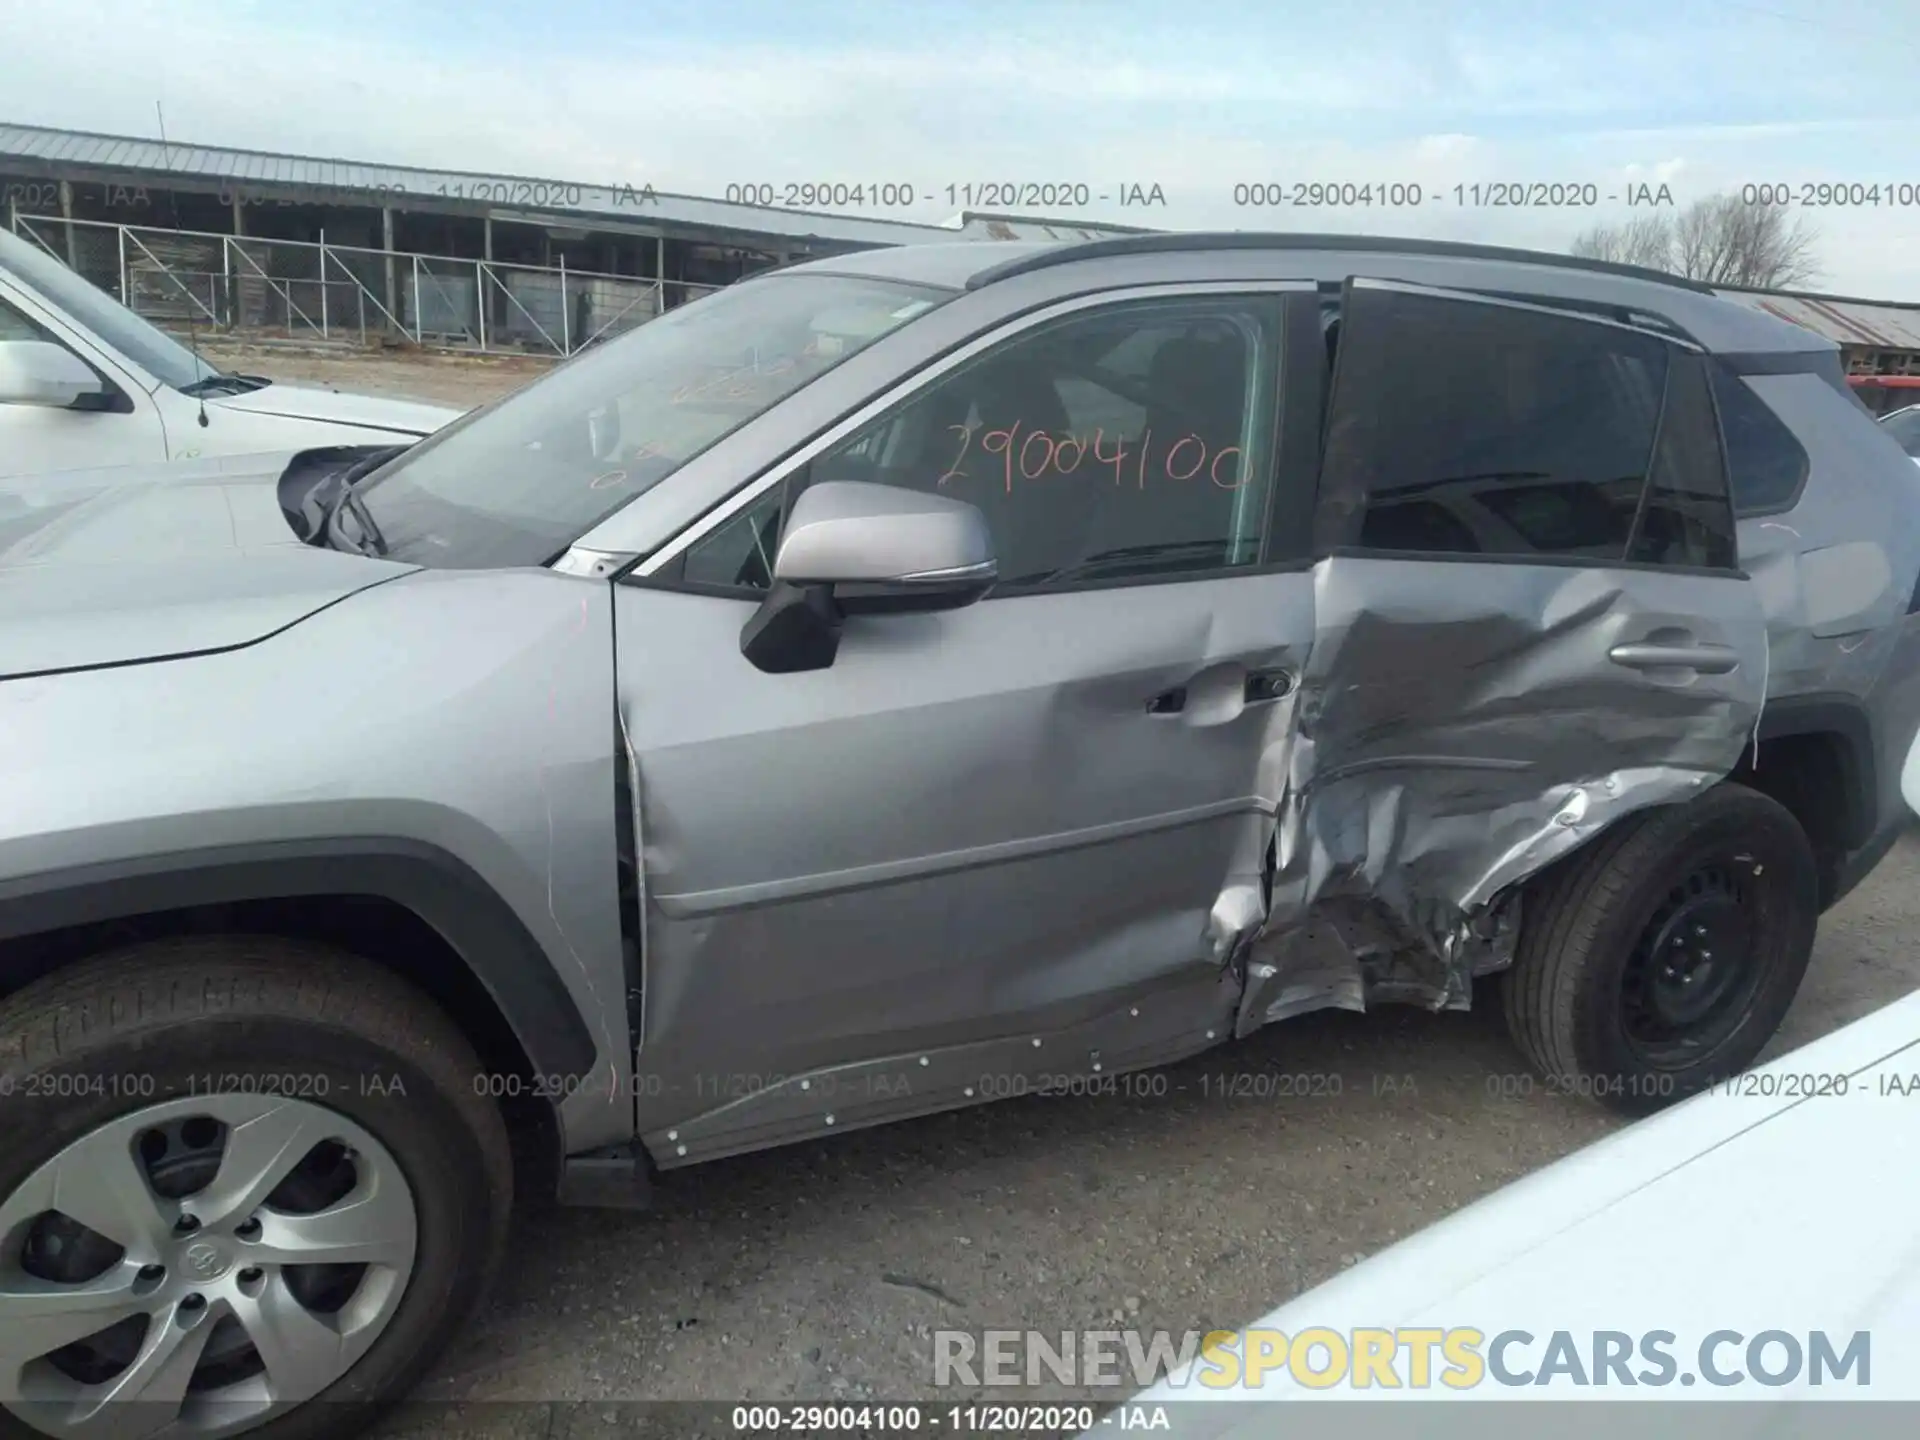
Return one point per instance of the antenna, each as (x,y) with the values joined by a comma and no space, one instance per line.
(173,204)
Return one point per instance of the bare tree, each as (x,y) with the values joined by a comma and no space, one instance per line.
(1646,241)
(1724,241)
(1721,240)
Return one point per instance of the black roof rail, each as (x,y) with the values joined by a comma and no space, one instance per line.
(1174,242)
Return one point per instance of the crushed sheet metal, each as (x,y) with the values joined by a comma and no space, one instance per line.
(1442,757)
(1244,900)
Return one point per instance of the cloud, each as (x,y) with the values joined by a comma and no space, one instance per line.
(1448,149)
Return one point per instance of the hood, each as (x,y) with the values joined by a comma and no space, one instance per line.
(1773,1203)
(110,567)
(341,407)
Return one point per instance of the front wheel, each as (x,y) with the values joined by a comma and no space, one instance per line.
(1664,956)
(246,1185)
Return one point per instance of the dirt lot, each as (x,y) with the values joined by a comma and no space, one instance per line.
(459,380)
(820,1271)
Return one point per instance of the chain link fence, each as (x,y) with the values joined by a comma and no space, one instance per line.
(295,289)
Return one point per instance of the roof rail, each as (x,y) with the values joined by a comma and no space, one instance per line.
(1175,242)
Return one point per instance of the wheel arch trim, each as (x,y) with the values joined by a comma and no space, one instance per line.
(441,889)
(1844,717)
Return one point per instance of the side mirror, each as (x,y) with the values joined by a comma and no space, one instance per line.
(38,372)
(857,549)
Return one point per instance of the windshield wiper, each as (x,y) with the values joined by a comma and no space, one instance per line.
(225,385)
(372,542)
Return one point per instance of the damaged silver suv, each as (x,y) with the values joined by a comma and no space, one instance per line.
(868,689)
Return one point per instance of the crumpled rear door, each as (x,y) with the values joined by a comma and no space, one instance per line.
(1529,622)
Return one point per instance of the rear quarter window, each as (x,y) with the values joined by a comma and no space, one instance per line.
(1766,464)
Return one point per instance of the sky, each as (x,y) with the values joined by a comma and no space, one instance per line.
(1596,97)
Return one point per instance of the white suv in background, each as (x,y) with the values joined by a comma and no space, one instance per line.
(86,383)
(1904,425)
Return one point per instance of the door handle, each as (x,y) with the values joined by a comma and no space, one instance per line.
(1168,702)
(1257,687)
(1647,655)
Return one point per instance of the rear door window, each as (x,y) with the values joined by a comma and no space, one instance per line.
(1686,518)
(1460,425)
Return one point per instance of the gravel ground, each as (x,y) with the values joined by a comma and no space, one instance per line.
(819,1271)
(404,375)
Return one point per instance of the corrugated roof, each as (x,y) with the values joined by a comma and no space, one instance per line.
(1881,324)
(51,149)
(978,225)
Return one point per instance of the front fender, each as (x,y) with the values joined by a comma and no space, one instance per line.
(434,884)
(445,739)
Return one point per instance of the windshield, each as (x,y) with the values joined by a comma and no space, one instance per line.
(145,344)
(519,483)
(1904,426)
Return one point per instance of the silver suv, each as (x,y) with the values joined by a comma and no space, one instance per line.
(626,775)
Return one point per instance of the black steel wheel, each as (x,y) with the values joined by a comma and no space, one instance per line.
(1664,956)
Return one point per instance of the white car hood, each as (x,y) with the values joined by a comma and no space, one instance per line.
(341,407)
(1910,777)
(1743,1211)
(136,563)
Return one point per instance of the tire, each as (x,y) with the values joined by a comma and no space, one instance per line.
(1587,1002)
(312,1044)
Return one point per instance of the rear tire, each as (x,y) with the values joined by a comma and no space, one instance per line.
(180,1069)
(1664,956)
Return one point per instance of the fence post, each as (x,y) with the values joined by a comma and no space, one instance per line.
(566,312)
(126,295)
(325,332)
(66,210)
(386,244)
(480,294)
(226,266)
(419,335)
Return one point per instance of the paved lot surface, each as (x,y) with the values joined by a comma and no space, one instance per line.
(820,1271)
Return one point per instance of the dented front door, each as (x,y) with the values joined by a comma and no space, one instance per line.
(1530,620)
(997,845)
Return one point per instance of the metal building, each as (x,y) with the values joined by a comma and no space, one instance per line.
(1878,339)
(244,240)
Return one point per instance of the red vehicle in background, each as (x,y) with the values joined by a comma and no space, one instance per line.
(1883,394)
